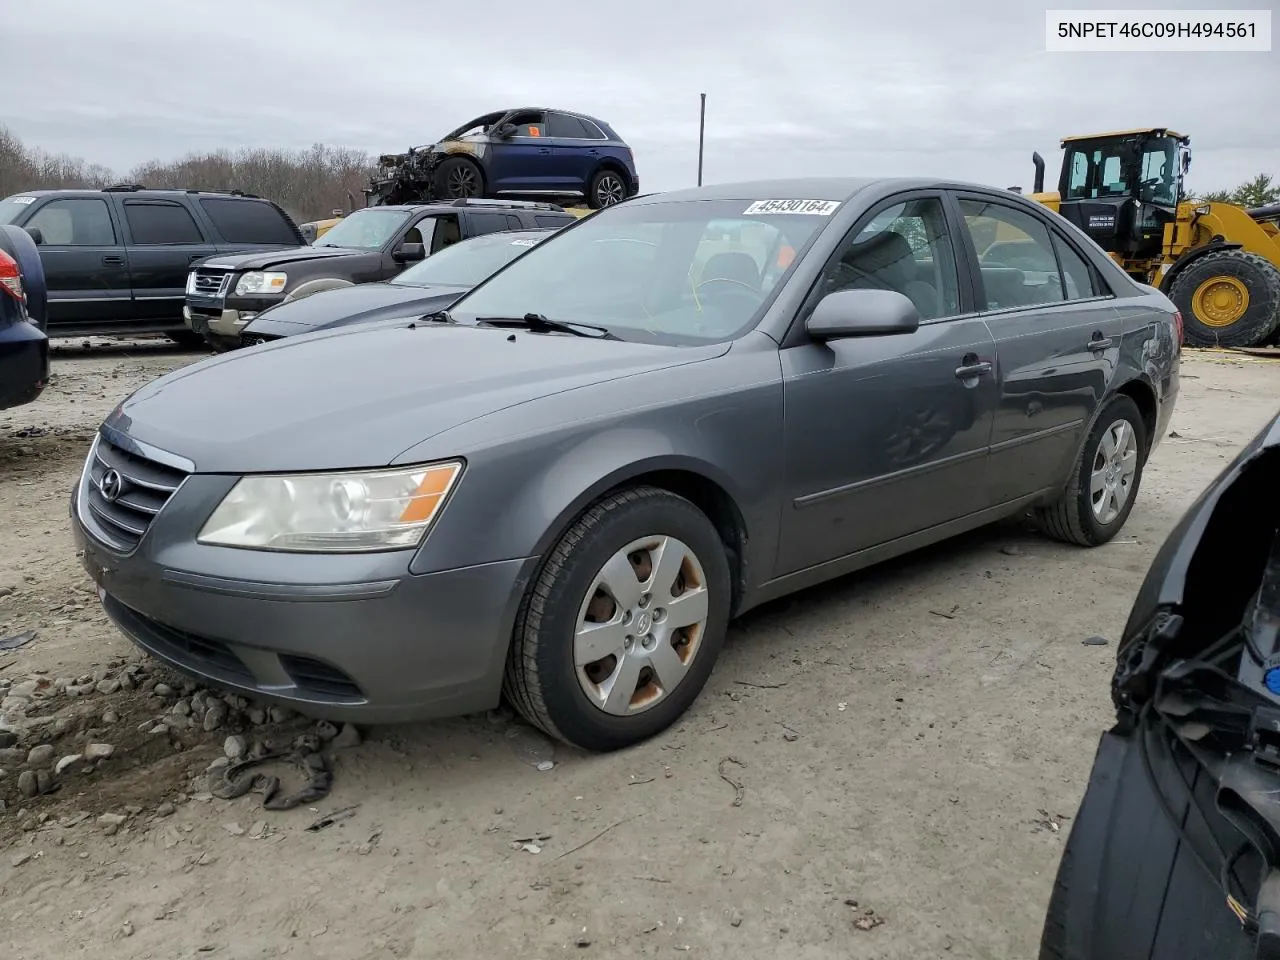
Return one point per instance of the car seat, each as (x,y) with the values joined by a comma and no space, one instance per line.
(734,266)
(884,262)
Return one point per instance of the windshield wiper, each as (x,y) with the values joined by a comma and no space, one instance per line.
(542,324)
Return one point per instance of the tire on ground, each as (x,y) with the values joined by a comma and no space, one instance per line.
(1259,320)
(541,679)
(593,189)
(188,339)
(1071,517)
(450,168)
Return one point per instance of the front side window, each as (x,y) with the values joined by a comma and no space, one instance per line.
(1015,256)
(678,272)
(367,229)
(74,222)
(907,249)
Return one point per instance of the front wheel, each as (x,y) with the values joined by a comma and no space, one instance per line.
(619,631)
(607,188)
(1104,483)
(457,178)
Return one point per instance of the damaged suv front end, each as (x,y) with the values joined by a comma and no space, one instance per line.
(1175,852)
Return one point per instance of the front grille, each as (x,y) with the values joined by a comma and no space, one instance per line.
(210,283)
(201,654)
(317,677)
(129,500)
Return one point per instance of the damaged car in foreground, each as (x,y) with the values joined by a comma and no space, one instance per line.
(1175,850)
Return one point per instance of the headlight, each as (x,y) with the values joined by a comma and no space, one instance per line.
(255,281)
(332,512)
(191,282)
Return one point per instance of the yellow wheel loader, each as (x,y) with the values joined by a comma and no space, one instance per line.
(1218,262)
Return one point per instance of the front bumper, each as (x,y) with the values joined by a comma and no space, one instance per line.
(348,638)
(223,316)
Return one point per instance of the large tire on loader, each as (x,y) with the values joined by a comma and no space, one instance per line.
(1228,298)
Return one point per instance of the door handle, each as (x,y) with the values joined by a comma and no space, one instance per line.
(113,261)
(970,370)
(1099,342)
(544,150)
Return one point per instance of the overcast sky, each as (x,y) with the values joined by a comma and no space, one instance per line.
(931,87)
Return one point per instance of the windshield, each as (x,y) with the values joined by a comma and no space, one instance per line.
(364,230)
(466,264)
(1143,167)
(14,207)
(676,272)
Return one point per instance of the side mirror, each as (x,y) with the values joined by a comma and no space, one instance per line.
(36,234)
(506,130)
(862,313)
(409,252)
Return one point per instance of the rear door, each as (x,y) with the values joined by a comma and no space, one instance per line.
(164,239)
(1057,339)
(575,154)
(85,264)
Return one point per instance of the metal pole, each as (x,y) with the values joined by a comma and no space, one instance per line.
(702,128)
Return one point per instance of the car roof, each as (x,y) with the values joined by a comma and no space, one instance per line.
(811,188)
(454,208)
(144,192)
(572,113)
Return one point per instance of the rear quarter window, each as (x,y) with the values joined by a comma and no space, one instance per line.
(248,221)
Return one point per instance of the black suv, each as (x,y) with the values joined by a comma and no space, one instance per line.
(116,260)
(376,243)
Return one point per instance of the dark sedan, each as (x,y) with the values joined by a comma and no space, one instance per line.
(424,288)
(565,486)
(24,348)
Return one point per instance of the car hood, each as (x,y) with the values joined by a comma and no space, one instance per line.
(265,259)
(365,301)
(358,397)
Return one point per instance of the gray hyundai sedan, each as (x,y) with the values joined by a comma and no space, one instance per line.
(565,488)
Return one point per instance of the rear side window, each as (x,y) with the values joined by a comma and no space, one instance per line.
(482,223)
(248,221)
(563,125)
(75,222)
(1015,256)
(156,224)
(593,131)
(1076,274)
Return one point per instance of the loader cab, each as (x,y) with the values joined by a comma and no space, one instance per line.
(1122,188)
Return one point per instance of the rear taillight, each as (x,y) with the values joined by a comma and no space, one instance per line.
(10,278)
(1177,325)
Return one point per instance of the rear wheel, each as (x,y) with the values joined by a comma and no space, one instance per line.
(1104,483)
(620,629)
(456,178)
(607,188)
(1228,298)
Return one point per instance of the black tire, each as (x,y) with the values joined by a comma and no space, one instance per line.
(458,177)
(1071,518)
(1128,885)
(1260,319)
(188,339)
(220,344)
(541,680)
(607,187)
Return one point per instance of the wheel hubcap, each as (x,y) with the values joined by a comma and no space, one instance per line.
(1220,301)
(1114,466)
(609,191)
(641,625)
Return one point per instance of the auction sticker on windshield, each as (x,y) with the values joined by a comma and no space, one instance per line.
(23,200)
(523,243)
(814,208)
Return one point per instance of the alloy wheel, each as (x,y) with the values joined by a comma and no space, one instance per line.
(1115,463)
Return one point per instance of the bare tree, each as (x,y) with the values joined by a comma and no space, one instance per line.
(309,183)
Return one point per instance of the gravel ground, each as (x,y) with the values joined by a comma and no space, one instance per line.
(882,767)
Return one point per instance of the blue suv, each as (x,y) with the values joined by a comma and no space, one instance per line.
(524,152)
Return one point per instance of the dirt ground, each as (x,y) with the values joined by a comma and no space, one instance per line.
(906,748)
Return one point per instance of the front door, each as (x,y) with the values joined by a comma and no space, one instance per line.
(887,435)
(525,161)
(164,241)
(85,264)
(1057,336)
